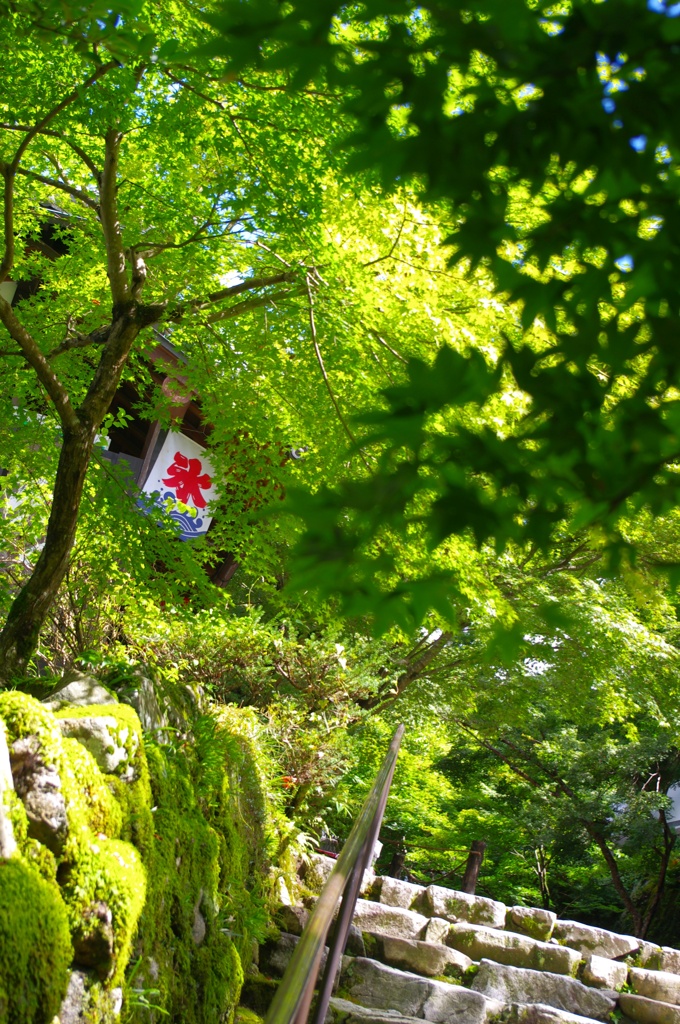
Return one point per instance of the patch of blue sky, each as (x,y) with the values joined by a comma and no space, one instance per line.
(638,143)
(624,263)
(609,105)
(663,154)
(661,7)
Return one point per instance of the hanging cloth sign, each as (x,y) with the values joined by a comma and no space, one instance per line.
(182,473)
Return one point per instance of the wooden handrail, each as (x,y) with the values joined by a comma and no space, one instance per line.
(294,995)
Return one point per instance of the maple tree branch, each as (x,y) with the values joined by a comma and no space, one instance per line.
(113,236)
(9,170)
(62,186)
(78,150)
(248,304)
(395,243)
(46,375)
(324,374)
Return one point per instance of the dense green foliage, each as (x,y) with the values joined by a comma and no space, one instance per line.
(431,248)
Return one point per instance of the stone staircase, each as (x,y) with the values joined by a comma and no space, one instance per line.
(438,955)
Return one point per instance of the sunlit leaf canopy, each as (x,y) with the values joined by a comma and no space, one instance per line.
(551,131)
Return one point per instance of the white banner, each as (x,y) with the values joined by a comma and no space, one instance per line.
(183,473)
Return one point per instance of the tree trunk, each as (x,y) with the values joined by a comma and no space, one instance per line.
(20,635)
(474,863)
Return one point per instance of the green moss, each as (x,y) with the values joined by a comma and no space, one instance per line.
(99,808)
(42,859)
(108,876)
(35,946)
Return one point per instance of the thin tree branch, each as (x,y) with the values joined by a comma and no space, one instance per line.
(319,359)
(248,304)
(46,375)
(78,150)
(9,171)
(62,186)
(394,245)
(113,236)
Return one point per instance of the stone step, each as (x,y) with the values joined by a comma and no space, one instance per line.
(342,1011)
(648,1011)
(387,920)
(595,940)
(479,942)
(541,1013)
(660,985)
(395,893)
(461,906)
(598,972)
(373,984)
(426,958)
(521,985)
(532,921)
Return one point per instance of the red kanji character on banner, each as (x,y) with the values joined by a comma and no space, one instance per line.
(185,476)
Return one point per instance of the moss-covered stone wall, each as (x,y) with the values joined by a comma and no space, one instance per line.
(141,875)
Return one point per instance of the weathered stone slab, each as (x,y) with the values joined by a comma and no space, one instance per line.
(531,921)
(669,960)
(460,906)
(79,689)
(515,985)
(8,844)
(595,940)
(513,949)
(660,985)
(419,957)
(38,784)
(541,1013)
(318,868)
(291,919)
(106,739)
(275,955)
(395,893)
(436,930)
(341,1011)
(374,984)
(395,921)
(649,956)
(599,972)
(648,1011)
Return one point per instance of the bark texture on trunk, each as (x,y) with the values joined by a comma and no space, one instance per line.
(474,863)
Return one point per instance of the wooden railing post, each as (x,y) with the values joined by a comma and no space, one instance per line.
(293,998)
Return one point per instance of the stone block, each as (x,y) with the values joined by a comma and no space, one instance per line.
(317,870)
(599,972)
(649,956)
(541,1013)
(341,1011)
(460,906)
(419,957)
(660,985)
(530,921)
(79,689)
(479,943)
(38,785)
(395,921)
(106,739)
(648,1011)
(291,919)
(275,955)
(515,985)
(436,930)
(669,960)
(373,984)
(595,940)
(395,893)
